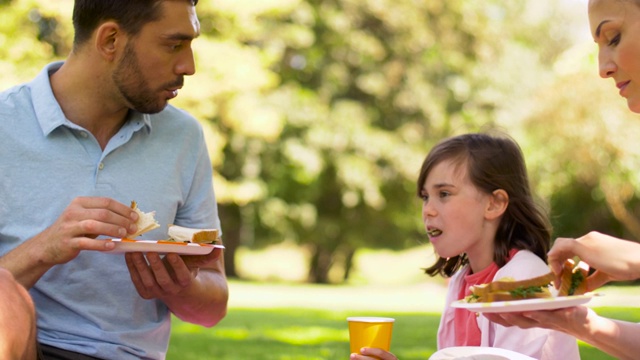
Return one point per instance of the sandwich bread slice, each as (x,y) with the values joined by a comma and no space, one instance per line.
(146,221)
(509,289)
(198,236)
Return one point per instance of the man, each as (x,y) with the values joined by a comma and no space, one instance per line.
(81,141)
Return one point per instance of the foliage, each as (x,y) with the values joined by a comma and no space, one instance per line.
(366,87)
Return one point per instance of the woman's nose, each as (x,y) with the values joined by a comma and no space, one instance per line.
(606,66)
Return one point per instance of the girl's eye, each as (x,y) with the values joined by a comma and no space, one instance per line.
(615,40)
(424,198)
(444,194)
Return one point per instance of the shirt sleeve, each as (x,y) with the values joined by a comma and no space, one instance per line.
(200,208)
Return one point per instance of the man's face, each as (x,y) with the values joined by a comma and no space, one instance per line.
(154,62)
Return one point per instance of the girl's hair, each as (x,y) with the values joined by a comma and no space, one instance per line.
(494,162)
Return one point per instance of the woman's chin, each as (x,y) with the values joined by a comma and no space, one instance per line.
(634,105)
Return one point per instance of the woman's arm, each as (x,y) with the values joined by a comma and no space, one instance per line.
(615,337)
(615,259)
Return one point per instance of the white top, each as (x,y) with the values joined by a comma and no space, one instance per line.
(537,343)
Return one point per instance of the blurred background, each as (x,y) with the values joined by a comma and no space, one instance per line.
(318,114)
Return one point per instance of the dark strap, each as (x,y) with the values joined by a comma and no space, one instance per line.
(46,352)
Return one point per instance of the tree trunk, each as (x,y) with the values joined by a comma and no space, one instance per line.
(348,263)
(230,221)
(321,261)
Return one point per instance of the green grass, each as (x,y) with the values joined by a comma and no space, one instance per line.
(298,334)
(303,334)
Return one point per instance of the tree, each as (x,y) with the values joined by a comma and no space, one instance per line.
(365,88)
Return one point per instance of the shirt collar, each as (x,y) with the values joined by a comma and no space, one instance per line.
(49,112)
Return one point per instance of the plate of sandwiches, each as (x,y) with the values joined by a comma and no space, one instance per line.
(507,295)
(181,240)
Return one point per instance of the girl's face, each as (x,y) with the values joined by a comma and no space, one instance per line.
(615,27)
(454,213)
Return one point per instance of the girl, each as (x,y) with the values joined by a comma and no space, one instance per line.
(484,225)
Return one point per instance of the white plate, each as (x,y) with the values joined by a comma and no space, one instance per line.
(477,353)
(162,247)
(524,305)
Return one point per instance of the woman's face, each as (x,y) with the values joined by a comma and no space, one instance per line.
(615,27)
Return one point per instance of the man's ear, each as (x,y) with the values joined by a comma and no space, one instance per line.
(109,37)
(498,203)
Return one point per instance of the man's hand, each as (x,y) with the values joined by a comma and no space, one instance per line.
(194,287)
(156,278)
(80,223)
(75,230)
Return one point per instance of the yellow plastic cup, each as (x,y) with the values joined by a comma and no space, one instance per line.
(369,332)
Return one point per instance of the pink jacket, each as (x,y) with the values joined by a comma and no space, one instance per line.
(537,343)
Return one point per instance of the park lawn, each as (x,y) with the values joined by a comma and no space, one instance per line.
(307,334)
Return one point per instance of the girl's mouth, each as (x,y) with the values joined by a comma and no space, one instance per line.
(434,232)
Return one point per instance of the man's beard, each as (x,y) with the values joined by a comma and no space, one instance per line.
(134,87)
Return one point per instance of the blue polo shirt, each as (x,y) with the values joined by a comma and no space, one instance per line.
(90,305)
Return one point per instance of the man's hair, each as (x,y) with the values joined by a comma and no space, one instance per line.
(131,15)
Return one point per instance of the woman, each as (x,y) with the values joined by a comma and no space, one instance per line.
(615,27)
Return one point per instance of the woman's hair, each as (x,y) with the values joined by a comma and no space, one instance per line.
(131,15)
(494,162)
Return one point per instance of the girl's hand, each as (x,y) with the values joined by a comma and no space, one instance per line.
(373,354)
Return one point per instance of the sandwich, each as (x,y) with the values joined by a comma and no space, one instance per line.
(573,278)
(198,236)
(507,289)
(146,221)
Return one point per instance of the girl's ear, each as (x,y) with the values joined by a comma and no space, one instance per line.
(498,203)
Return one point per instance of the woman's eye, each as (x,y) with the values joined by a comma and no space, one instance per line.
(615,40)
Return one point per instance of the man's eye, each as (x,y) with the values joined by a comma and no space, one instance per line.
(175,47)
